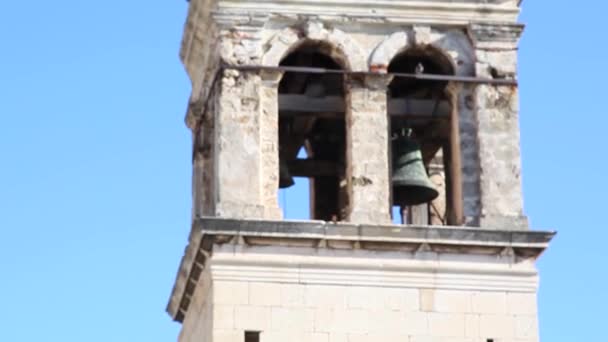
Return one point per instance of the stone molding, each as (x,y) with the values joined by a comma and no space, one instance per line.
(495,36)
(343,47)
(455,46)
(499,259)
(387,50)
(375,11)
(470,238)
(271,265)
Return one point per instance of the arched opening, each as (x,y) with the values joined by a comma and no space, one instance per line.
(312,135)
(422,111)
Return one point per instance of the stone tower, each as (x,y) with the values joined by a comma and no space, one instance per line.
(341,80)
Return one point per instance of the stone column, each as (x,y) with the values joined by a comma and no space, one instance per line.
(269,132)
(497,109)
(469,149)
(368,149)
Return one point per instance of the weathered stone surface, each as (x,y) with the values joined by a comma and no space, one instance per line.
(246,114)
(367,152)
(499,156)
(324,302)
(364,279)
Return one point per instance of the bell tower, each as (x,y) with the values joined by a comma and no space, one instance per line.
(403,117)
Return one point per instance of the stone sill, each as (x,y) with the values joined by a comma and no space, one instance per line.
(208,232)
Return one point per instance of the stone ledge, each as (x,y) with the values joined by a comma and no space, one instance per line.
(320,230)
(208,232)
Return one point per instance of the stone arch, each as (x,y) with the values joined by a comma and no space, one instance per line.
(454,45)
(457,46)
(344,49)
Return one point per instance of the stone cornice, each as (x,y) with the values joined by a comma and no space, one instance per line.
(378,11)
(352,238)
(364,268)
(491,36)
(402,234)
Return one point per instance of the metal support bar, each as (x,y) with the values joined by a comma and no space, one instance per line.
(429,77)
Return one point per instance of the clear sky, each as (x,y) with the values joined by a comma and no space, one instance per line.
(95,166)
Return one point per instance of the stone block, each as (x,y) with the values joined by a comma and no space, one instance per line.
(230,292)
(223,317)
(292,319)
(312,337)
(386,321)
(388,337)
(273,336)
(452,301)
(398,299)
(496,326)
(324,296)
(276,336)
(422,338)
(358,338)
(226,336)
(323,320)
(447,324)
(341,320)
(256,318)
(471,325)
(522,303)
(505,62)
(338,337)
(353,321)
(422,35)
(416,323)
(489,302)
(265,294)
(443,339)
(526,327)
(427,300)
(292,295)
(359,298)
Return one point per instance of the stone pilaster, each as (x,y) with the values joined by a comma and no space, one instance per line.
(497,108)
(367,149)
(203,166)
(238,148)
(469,148)
(269,132)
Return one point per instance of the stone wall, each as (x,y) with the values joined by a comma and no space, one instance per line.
(199,324)
(497,126)
(239,129)
(330,313)
(301,295)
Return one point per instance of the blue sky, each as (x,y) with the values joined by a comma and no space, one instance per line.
(95,166)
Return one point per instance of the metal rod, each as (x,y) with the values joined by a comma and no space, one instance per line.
(429,77)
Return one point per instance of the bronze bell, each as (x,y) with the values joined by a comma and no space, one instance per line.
(285,179)
(411,184)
